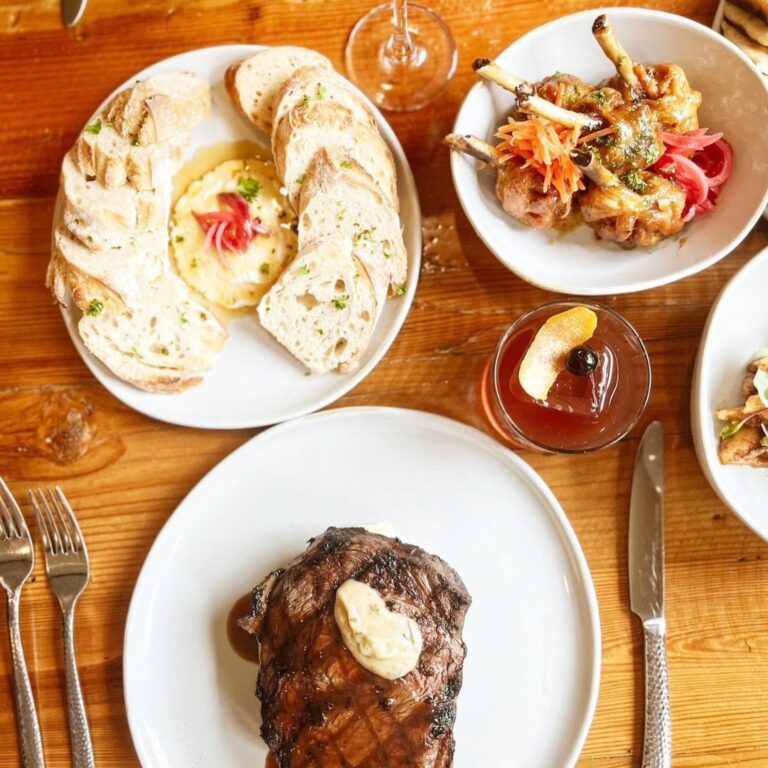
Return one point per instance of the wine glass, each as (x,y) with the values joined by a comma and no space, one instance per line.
(401,54)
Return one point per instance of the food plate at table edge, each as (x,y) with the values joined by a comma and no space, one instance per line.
(717,383)
(572,260)
(255,381)
(550,631)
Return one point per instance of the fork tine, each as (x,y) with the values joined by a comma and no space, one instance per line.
(56,546)
(7,502)
(63,528)
(47,544)
(77,534)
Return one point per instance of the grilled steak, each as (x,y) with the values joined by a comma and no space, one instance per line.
(320,708)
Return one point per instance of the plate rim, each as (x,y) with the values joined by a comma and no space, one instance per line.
(349,381)
(702,414)
(639,285)
(426,420)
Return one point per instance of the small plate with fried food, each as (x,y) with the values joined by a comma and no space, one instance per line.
(729,407)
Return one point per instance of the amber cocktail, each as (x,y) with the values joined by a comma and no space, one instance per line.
(598,390)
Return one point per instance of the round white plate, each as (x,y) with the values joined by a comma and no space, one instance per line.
(576,262)
(255,382)
(532,673)
(736,329)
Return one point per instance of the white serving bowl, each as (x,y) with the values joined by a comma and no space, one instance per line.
(575,261)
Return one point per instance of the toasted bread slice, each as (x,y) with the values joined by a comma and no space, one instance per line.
(339,199)
(323,308)
(160,108)
(103,219)
(164,346)
(756,7)
(309,84)
(755,51)
(308,128)
(122,271)
(254,84)
(754,27)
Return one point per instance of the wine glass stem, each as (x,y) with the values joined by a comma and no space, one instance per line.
(400,45)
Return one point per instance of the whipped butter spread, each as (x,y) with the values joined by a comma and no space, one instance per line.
(383,642)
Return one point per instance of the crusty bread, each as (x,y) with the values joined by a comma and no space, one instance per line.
(161,108)
(754,27)
(254,84)
(755,51)
(323,308)
(306,129)
(165,345)
(309,84)
(339,199)
(122,271)
(757,7)
(106,219)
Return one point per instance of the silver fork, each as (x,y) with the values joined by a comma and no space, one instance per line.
(66,563)
(17,559)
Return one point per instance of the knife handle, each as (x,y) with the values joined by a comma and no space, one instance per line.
(657,746)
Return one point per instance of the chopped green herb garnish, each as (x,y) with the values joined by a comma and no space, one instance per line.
(365,234)
(322,91)
(598,97)
(248,188)
(341,214)
(94,127)
(340,303)
(95,308)
(345,164)
(635,182)
(184,320)
(387,255)
(303,270)
(264,268)
(179,238)
(400,290)
(306,100)
(193,264)
(301,178)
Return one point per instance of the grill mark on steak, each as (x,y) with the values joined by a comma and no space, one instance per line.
(320,708)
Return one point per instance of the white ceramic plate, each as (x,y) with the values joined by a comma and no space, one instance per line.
(736,329)
(575,262)
(532,674)
(255,382)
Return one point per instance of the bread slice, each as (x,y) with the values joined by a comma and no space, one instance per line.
(323,308)
(122,271)
(163,346)
(754,27)
(160,108)
(307,129)
(309,84)
(755,51)
(114,161)
(757,7)
(103,219)
(254,83)
(340,200)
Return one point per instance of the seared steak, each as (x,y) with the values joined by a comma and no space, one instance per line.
(320,708)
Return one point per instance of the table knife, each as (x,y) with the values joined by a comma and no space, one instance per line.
(646,586)
(72,11)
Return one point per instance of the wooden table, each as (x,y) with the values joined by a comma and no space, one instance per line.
(126,473)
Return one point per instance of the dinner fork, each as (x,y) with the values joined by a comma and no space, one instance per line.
(66,563)
(17,559)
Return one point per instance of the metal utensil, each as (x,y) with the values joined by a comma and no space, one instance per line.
(72,11)
(66,563)
(646,585)
(17,559)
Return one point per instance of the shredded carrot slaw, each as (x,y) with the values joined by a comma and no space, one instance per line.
(546,147)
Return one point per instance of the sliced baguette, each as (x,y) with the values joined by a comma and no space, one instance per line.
(758,53)
(103,219)
(123,271)
(160,108)
(339,199)
(309,84)
(164,346)
(254,84)
(323,308)
(755,27)
(306,129)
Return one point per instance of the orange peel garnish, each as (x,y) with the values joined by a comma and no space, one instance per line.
(547,356)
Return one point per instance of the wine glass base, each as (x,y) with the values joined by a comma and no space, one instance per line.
(401,85)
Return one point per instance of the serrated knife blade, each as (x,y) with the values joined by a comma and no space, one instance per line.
(646,527)
(646,588)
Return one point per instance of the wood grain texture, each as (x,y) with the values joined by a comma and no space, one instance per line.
(125,473)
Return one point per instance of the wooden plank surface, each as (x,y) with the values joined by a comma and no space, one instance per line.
(126,473)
